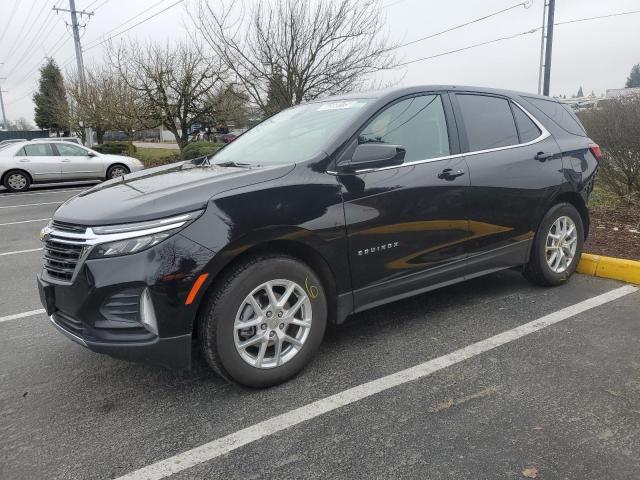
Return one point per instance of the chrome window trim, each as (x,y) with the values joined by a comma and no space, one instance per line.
(543,135)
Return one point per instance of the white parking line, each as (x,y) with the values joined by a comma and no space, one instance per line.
(24,221)
(21,315)
(221,446)
(20,251)
(48,192)
(32,204)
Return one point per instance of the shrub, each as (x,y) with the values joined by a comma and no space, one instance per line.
(116,148)
(199,149)
(615,126)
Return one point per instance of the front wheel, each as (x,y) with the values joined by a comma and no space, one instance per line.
(116,171)
(557,246)
(263,321)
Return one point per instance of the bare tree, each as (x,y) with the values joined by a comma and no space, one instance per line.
(283,52)
(615,126)
(89,104)
(173,81)
(128,110)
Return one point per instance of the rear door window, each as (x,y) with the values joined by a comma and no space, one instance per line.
(417,123)
(561,114)
(38,150)
(527,129)
(488,122)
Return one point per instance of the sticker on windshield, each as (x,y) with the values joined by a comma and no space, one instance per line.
(340,105)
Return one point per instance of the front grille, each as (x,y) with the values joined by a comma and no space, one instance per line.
(63,249)
(67,227)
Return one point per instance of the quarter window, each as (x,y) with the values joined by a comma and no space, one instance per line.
(38,150)
(526,128)
(561,114)
(418,124)
(488,122)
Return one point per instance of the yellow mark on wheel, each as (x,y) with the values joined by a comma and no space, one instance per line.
(312,290)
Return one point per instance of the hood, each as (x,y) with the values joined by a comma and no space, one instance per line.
(159,192)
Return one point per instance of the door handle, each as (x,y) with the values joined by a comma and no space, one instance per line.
(66,160)
(447,175)
(24,160)
(542,156)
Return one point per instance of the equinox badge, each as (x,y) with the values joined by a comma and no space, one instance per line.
(378,248)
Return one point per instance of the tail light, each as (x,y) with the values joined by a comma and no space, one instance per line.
(595,149)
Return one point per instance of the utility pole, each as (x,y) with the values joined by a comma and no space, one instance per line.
(540,67)
(549,48)
(4,116)
(76,41)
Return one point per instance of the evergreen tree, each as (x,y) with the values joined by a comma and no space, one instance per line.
(276,94)
(633,81)
(51,107)
(580,93)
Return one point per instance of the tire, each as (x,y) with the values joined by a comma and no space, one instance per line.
(17,181)
(227,303)
(540,269)
(117,170)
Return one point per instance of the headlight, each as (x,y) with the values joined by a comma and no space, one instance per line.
(128,238)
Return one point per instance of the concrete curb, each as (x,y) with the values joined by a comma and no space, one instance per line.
(609,267)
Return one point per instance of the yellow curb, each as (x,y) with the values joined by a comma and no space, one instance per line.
(609,267)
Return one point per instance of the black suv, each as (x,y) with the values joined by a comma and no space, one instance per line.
(325,209)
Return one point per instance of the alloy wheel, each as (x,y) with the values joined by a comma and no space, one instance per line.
(118,172)
(272,323)
(562,241)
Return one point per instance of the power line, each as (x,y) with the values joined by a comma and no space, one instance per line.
(598,17)
(468,47)
(97,41)
(25,56)
(13,12)
(526,4)
(134,25)
(510,37)
(24,24)
(99,6)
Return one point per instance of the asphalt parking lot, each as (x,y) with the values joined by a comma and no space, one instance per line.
(553,398)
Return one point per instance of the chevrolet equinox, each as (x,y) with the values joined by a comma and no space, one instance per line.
(325,209)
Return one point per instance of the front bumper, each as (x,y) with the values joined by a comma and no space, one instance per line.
(101,308)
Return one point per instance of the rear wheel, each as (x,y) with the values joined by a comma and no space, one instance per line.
(557,246)
(17,181)
(264,321)
(116,171)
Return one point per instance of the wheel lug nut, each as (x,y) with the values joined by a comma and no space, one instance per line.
(271,334)
(280,314)
(269,314)
(281,326)
(263,326)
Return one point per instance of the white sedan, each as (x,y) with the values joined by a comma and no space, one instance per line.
(24,163)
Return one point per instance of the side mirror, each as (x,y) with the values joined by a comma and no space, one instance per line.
(373,155)
(92,154)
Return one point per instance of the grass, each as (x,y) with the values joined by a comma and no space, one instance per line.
(152,157)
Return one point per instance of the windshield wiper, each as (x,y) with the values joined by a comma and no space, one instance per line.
(234,164)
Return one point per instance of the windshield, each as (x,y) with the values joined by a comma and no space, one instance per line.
(292,135)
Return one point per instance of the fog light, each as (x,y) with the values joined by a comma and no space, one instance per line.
(147,313)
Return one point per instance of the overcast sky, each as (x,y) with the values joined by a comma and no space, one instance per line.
(596,55)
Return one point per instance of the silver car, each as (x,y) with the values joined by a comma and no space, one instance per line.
(22,164)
